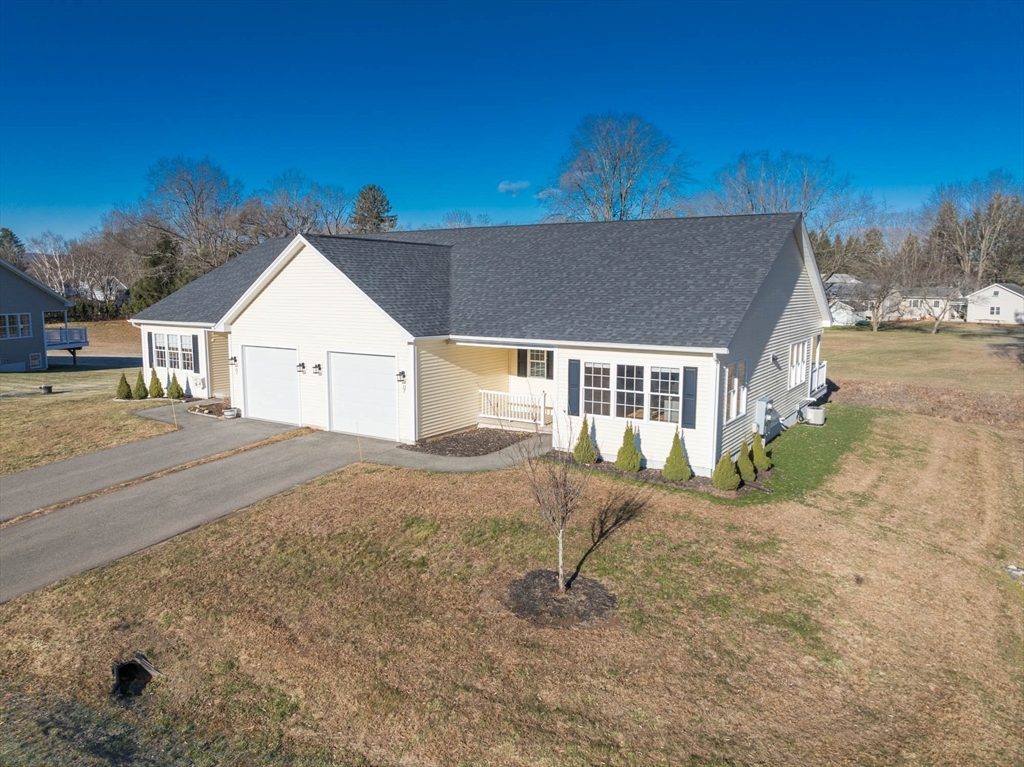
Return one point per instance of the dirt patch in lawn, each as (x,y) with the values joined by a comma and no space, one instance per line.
(1002,409)
(363,618)
(535,597)
(470,443)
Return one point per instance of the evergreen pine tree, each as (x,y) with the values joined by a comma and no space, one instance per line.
(629,457)
(162,276)
(584,451)
(745,465)
(174,391)
(155,389)
(12,249)
(677,468)
(761,460)
(124,391)
(725,476)
(140,391)
(372,211)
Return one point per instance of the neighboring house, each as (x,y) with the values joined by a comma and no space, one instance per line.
(107,290)
(925,303)
(665,324)
(844,314)
(24,337)
(1001,303)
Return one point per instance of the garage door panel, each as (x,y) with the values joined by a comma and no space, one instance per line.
(363,394)
(271,384)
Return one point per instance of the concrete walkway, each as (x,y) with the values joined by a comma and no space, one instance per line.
(48,548)
(198,437)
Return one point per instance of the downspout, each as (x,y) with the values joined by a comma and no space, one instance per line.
(415,393)
(716,439)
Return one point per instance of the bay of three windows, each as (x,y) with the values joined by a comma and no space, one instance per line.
(173,351)
(672,393)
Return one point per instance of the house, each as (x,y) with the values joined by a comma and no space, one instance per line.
(844,314)
(665,324)
(1000,303)
(24,337)
(929,303)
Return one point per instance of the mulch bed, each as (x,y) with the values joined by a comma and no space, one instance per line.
(468,444)
(654,477)
(215,409)
(535,598)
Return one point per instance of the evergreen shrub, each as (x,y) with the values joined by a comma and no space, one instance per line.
(761,460)
(677,468)
(174,391)
(584,451)
(745,465)
(725,476)
(156,389)
(629,457)
(140,391)
(124,391)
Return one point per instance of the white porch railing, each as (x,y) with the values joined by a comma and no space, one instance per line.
(818,381)
(65,337)
(514,407)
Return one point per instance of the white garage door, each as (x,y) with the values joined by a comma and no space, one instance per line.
(364,394)
(271,383)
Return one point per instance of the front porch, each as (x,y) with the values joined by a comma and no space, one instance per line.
(518,412)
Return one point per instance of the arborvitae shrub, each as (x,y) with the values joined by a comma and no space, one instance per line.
(156,389)
(584,451)
(124,391)
(725,476)
(761,460)
(629,457)
(140,391)
(174,390)
(745,465)
(677,468)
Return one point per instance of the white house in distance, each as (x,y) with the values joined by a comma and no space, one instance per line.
(406,336)
(1001,303)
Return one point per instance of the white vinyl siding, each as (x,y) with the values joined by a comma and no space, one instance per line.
(784,312)
(655,437)
(449,378)
(997,305)
(312,307)
(220,374)
(159,358)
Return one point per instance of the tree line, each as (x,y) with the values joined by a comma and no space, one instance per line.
(193,217)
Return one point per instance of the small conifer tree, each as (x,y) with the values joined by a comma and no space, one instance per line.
(140,391)
(677,468)
(584,451)
(174,391)
(156,389)
(745,465)
(725,476)
(124,391)
(761,460)
(629,457)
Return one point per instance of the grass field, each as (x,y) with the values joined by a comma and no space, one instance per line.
(860,616)
(80,416)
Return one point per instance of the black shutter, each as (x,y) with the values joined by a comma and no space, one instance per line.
(551,366)
(689,398)
(574,387)
(195,354)
(522,363)
(152,362)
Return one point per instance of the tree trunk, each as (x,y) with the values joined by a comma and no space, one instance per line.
(561,566)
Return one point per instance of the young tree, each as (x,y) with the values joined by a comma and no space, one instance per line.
(12,249)
(372,211)
(725,476)
(124,391)
(677,468)
(885,263)
(156,390)
(140,391)
(628,458)
(174,391)
(618,167)
(745,465)
(558,488)
(584,451)
(761,460)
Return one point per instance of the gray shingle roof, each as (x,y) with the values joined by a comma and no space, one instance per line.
(666,282)
(1012,286)
(662,282)
(208,298)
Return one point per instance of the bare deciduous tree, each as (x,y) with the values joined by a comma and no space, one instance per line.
(292,205)
(463,219)
(760,182)
(53,263)
(619,167)
(889,252)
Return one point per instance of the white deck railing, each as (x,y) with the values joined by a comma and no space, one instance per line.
(67,337)
(525,408)
(818,381)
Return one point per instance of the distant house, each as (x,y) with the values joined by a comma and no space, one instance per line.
(943,303)
(687,324)
(24,337)
(1001,303)
(844,314)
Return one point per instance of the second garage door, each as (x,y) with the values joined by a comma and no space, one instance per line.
(364,394)
(271,383)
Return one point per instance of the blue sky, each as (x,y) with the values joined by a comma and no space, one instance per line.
(441,102)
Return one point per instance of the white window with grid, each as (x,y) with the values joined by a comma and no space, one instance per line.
(538,364)
(15,326)
(665,395)
(173,352)
(994,310)
(597,388)
(735,389)
(629,391)
(797,364)
(186,353)
(159,350)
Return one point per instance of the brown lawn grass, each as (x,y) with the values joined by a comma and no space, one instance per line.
(360,619)
(80,416)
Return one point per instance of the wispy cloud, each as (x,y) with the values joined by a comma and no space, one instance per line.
(547,194)
(513,187)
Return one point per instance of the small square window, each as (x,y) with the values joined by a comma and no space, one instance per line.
(538,363)
(629,395)
(597,388)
